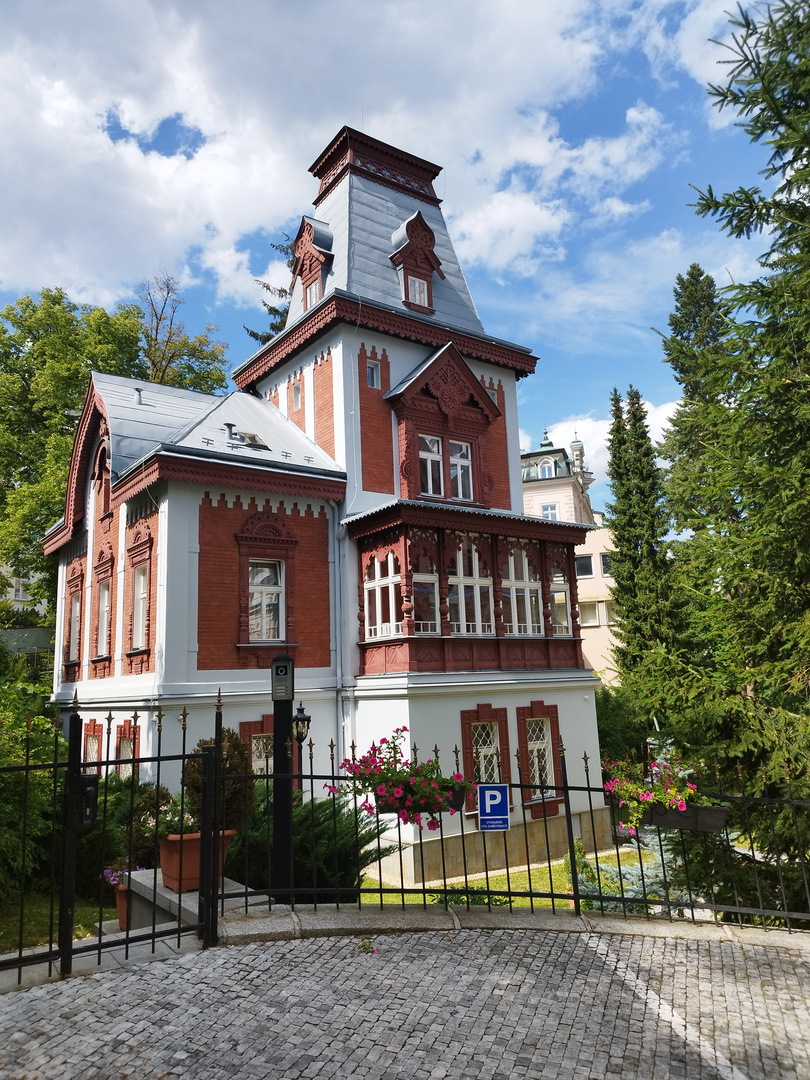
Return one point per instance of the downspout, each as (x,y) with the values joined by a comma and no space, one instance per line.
(339,534)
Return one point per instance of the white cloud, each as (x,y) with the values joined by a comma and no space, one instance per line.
(594,431)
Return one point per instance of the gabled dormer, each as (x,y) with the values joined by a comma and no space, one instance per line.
(416,263)
(444,417)
(313,259)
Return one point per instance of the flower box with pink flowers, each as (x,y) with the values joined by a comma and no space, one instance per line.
(416,791)
(662,795)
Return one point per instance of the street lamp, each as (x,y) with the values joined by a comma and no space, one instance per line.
(300,726)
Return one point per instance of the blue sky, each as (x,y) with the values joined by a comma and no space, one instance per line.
(142,137)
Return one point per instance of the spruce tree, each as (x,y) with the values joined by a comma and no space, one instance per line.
(642,596)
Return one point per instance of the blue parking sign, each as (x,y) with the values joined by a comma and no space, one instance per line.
(493,807)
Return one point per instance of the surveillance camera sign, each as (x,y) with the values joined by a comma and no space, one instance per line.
(493,807)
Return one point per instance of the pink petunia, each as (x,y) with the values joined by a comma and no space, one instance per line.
(433,825)
(457,776)
(397,792)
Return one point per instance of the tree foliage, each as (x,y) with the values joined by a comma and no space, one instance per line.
(277,312)
(48,347)
(645,610)
(740,444)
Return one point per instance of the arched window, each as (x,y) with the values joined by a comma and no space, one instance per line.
(547,469)
(383,597)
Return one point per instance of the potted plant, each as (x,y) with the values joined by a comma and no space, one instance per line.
(117,875)
(415,791)
(177,820)
(663,796)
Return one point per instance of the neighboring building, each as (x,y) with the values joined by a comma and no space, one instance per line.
(358,503)
(555,487)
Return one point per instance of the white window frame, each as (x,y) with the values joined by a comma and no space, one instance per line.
(486,750)
(461,486)
(587,574)
(140,598)
(126,749)
(431,581)
(428,458)
(604,557)
(610,613)
(382,592)
(545,469)
(549,511)
(522,592)
(541,757)
(585,605)
(474,591)
(373,374)
(296,396)
(313,294)
(270,595)
(417,291)
(103,617)
(73,631)
(559,588)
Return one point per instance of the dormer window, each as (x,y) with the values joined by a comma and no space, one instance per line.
(418,291)
(313,294)
(546,469)
(416,262)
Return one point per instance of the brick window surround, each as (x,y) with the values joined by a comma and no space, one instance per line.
(549,805)
(264,537)
(139,553)
(128,730)
(250,730)
(484,714)
(103,568)
(73,648)
(93,744)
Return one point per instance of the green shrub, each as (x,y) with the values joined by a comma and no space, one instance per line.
(235,765)
(332,845)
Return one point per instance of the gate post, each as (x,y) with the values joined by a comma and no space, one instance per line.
(207,897)
(569,825)
(71,809)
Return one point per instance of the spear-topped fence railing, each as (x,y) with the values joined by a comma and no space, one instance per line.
(72,805)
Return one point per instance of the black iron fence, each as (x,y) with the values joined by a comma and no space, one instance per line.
(88,858)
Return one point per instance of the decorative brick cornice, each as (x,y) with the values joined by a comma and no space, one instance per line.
(220,474)
(353,151)
(337,308)
(429,516)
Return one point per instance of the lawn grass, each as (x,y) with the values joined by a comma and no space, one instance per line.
(37,921)
(518,882)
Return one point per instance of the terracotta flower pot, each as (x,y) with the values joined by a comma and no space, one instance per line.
(170,847)
(122,906)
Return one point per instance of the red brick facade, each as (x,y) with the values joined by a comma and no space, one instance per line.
(295,389)
(324,388)
(376,432)
(496,452)
(306,589)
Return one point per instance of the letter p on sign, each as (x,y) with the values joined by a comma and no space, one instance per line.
(493,807)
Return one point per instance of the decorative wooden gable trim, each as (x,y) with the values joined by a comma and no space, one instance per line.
(416,261)
(449,380)
(447,401)
(313,255)
(93,425)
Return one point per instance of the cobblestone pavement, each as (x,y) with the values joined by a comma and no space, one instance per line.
(494,1004)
